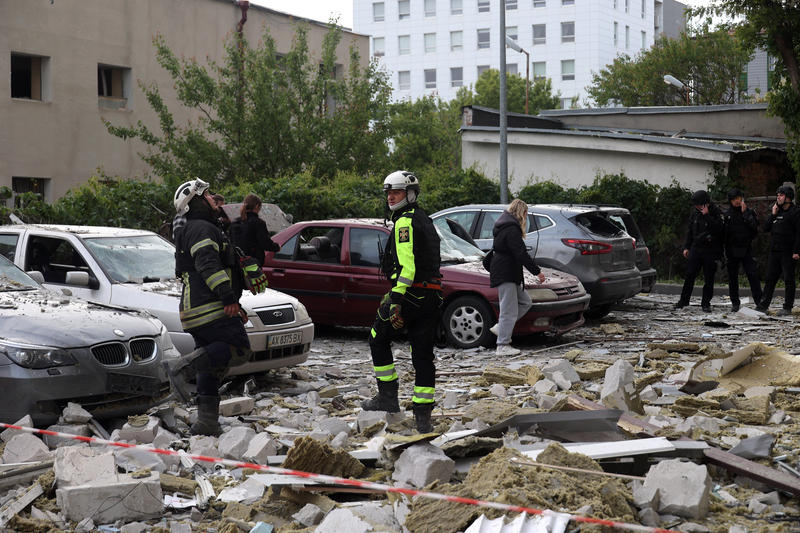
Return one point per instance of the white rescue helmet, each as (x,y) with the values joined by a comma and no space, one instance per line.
(187,191)
(402,180)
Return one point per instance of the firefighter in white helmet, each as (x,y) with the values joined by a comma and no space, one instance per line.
(209,306)
(411,263)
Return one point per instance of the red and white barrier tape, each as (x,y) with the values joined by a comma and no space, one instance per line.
(343,481)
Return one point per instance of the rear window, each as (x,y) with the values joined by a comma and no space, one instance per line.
(627,223)
(598,224)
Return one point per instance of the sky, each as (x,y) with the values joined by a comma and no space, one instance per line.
(314,9)
(321,9)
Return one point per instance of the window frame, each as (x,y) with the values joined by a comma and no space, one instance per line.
(429,38)
(400,50)
(488,34)
(460,46)
(567,76)
(565,37)
(542,39)
(426,5)
(401,13)
(429,83)
(400,85)
(375,51)
(457,82)
(484,6)
(375,15)
(456,10)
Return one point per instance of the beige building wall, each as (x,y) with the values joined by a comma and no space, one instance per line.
(60,137)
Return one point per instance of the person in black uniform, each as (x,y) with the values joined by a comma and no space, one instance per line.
(209,305)
(741,227)
(411,262)
(703,248)
(250,233)
(784,249)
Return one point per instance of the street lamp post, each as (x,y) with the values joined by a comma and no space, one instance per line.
(675,82)
(511,43)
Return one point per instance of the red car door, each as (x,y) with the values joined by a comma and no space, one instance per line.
(365,285)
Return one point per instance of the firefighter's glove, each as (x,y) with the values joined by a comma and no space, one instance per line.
(255,279)
(387,298)
(394,316)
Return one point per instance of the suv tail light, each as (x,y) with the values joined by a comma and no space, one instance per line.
(588,247)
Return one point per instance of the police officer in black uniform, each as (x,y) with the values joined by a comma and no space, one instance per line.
(703,248)
(784,249)
(741,227)
(411,262)
(209,306)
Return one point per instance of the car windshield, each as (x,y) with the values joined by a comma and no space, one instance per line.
(14,279)
(455,249)
(136,259)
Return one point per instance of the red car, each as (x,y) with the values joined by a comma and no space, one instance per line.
(332,267)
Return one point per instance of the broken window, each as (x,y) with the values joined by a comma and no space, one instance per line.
(20,185)
(53,258)
(456,76)
(430,78)
(113,86)
(483,38)
(366,246)
(28,75)
(8,245)
(539,70)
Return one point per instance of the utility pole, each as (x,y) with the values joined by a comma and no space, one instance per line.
(503,116)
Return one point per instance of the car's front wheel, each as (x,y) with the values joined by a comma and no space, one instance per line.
(466,322)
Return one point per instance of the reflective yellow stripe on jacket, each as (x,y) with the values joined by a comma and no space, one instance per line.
(404,248)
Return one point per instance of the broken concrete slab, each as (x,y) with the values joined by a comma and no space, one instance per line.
(340,520)
(126,498)
(422,464)
(80,465)
(233,443)
(236,406)
(24,448)
(260,447)
(564,367)
(54,441)
(140,429)
(26,421)
(683,487)
(309,515)
(74,413)
(618,389)
(757,447)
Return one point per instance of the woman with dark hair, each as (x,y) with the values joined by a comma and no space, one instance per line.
(249,232)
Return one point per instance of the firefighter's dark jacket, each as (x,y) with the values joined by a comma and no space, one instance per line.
(784,229)
(412,251)
(740,230)
(706,232)
(510,252)
(206,263)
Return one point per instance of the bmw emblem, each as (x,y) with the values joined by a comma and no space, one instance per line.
(119,333)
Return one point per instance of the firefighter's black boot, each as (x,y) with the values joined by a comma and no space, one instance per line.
(385,400)
(184,370)
(207,416)
(422,417)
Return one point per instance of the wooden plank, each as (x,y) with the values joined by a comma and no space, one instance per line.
(628,423)
(764,474)
(10,509)
(606,450)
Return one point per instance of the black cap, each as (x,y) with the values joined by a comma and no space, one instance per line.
(700,198)
(734,193)
(788,191)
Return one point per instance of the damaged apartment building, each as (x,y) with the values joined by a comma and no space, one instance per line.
(66,65)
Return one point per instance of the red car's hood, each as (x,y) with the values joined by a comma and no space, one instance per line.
(475,273)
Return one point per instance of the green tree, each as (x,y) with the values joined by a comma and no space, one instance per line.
(540,95)
(262,114)
(425,132)
(710,62)
(775,27)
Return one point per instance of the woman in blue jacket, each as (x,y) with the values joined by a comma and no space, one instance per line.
(510,255)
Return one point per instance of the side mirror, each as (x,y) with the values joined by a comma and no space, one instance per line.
(36,276)
(81,279)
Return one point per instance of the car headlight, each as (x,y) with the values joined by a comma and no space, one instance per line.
(542,295)
(34,356)
(165,344)
(301,313)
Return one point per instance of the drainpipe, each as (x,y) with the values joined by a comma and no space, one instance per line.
(244,5)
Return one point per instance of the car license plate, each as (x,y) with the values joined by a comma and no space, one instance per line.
(132,384)
(285,339)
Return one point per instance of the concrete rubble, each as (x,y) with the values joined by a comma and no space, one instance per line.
(727,407)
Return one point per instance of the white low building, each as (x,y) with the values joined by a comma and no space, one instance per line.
(571,148)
